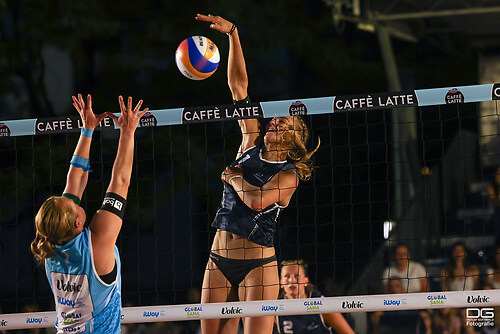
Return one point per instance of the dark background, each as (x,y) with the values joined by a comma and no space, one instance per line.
(293,49)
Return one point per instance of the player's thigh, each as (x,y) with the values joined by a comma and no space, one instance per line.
(261,283)
(216,289)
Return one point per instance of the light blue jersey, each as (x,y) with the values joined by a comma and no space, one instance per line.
(84,303)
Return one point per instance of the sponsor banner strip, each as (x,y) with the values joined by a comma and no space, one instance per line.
(310,106)
(347,304)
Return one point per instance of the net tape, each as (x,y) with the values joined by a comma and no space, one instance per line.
(310,106)
(345,304)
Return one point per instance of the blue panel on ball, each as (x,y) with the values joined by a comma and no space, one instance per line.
(198,61)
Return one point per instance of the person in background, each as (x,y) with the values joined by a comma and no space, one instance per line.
(401,322)
(459,274)
(493,271)
(412,274)
(294,283)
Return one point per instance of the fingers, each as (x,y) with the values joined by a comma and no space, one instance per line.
(113,116)
(138,106)
(142,113)
(80,99)
(129,104)
(122,104)
(206,18)
(101,117)
(89,101)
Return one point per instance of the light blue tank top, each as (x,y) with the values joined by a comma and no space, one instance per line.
(84,303)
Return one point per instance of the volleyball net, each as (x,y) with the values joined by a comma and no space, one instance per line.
(407,167)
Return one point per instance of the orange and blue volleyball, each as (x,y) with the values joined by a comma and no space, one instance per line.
(197,57)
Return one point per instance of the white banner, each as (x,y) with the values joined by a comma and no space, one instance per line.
(347,304)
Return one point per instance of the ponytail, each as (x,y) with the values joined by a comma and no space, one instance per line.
(42,248)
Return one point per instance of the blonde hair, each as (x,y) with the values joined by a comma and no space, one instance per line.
(54,224)
(297,153)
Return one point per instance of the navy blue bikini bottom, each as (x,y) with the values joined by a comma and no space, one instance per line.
(236,270)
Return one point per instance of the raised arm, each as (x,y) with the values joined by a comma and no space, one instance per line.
(107,222)
(77,177)
(237,77)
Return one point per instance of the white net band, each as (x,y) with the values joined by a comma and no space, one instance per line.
(347,304)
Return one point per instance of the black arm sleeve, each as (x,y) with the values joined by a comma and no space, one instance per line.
(115,204)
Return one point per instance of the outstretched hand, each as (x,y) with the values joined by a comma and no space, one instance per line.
(218,23)
(129,119)
(89,119)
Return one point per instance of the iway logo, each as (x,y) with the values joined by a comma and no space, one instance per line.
(64,301)
(395,302)
(34,320)
(269,308)
(150,314)
(478,299)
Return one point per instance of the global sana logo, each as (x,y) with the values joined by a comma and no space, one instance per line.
(436,299)
(313,305)
(298,108)
(453,96)
(193,311)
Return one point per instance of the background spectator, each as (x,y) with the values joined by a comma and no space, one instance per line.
(412,274)
(459,274)
(401,322)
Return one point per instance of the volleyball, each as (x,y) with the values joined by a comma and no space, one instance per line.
(197,57)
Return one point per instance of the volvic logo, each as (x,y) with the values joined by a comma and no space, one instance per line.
(477,299)
(352,305)
(232,310)
(436,299)
(64,301)
(68,286)
(3,322)
(269,308)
